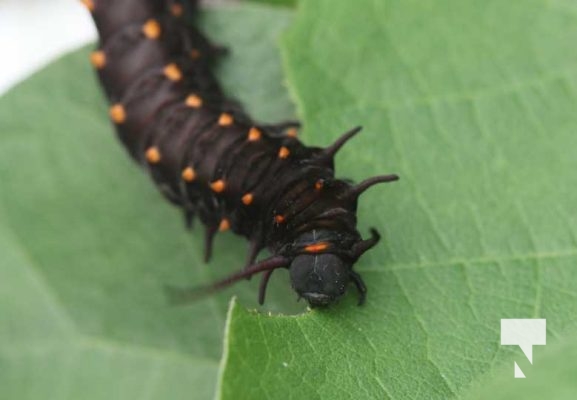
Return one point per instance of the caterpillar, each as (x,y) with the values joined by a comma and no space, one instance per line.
(208,157)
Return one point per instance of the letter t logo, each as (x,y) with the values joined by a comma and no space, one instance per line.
(524,333)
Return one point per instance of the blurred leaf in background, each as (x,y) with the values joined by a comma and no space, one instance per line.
(87,243)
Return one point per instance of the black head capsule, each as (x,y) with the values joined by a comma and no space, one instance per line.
(318,275)
(319,278)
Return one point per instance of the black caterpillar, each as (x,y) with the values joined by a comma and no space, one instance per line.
(207,156)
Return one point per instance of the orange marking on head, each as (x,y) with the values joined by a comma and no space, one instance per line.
(225,119)
(117,113)
(218,186)
(247,199)
(317,247)
(224,225)
(319,184)
(89,4)
(172,72)
(98,59)
(195,54)
(152,155)
(176,9)
(254,134)
(279,219)
(292,132)
(194,101)
(188,174)
(151,29)
(284,152)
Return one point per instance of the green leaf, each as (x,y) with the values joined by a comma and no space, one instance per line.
(473,104)
(87,243)
(289,3)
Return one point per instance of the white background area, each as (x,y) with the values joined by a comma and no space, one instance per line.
(35,32)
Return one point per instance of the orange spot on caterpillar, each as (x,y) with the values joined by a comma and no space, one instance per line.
(284,152)
(89,4)
(319,184)
(247,199)
(176,9)
(194,101)
(98,59)
(224,225)
(151,29)
(152,155)
(172,72)
(117,113)
(195,54)
(317,247)
(188,174)
(225,119)
(254,134)
(292,132)
(218,186)
(279,219)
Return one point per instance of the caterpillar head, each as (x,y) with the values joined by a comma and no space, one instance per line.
(319,278)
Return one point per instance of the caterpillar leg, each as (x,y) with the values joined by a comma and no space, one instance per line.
(186,295)
(189,219)
(263,284)
(209,233)
(219,50)
(254,247)
(364,245)
(361,287)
